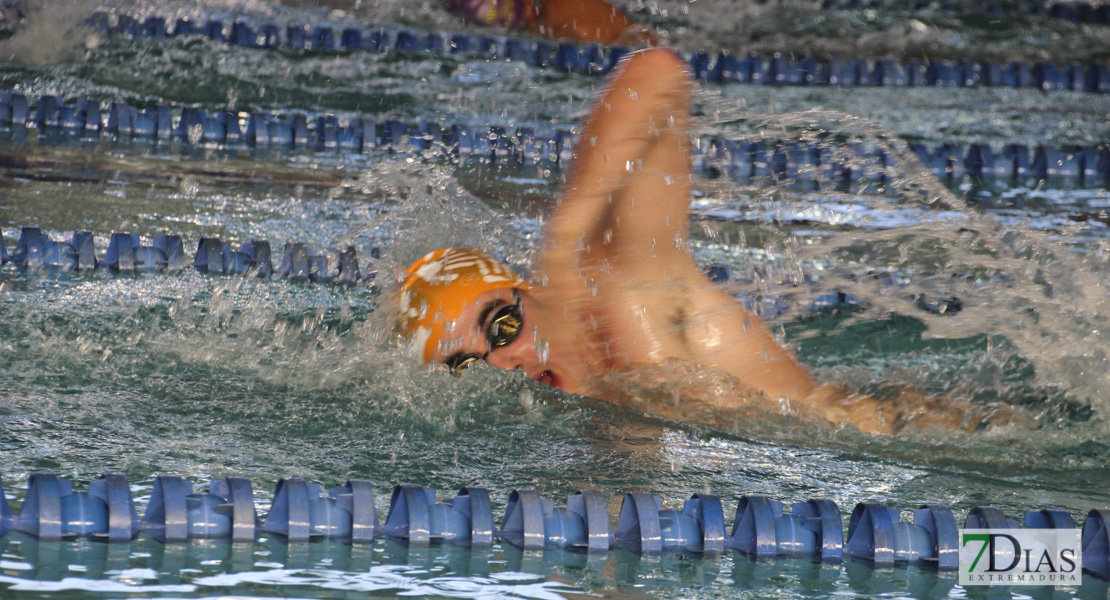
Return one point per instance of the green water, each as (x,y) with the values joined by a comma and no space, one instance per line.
(207,377)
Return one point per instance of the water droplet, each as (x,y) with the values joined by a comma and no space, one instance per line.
(543,351)
(195,133)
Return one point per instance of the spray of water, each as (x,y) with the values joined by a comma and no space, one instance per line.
(235,363)
(44,36)
(905,242)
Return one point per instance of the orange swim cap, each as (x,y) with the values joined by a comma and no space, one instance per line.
(438,287)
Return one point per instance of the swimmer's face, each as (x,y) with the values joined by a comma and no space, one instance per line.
(504,328)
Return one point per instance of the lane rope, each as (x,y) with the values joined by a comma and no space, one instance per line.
(301,512)
(1076,12)
(165,253)
(742,159)
(595,59)
(75,252)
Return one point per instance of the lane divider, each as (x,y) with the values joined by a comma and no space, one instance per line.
(300,513)
(595,59)
(166,254)
(1077,12)
(76,252)
(743,160)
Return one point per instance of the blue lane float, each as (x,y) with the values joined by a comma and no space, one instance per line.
(723,67)
(877,533)
(176,514)
(804,164)
(416,517)
(52,510)
(813,528)
(5,511)
(1096,543)
(532,522)
(35,250)
(645,528)
(299,513)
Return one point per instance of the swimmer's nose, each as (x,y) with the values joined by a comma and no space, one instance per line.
(512,357)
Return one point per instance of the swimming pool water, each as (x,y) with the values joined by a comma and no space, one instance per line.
(206,376)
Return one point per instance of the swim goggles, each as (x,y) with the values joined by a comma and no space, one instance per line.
(504,327)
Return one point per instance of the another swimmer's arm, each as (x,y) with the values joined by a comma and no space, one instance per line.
(589,21)
(639,125)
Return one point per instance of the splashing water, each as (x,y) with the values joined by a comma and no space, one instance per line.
(998,303)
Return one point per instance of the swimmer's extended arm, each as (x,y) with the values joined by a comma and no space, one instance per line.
(630,182)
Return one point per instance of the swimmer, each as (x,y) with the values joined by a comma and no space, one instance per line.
(617,289)
(576,20)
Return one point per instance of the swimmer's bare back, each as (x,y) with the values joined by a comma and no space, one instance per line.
(616,243)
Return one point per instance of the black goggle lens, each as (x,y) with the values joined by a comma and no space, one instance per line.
(460,362)
(505,326)
(503,329)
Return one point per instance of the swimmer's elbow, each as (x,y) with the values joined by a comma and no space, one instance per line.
(662,67)
(662,60)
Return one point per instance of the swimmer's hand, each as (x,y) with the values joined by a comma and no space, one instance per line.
(839,406)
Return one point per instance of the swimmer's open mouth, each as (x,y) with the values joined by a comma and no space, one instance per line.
(550,378)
